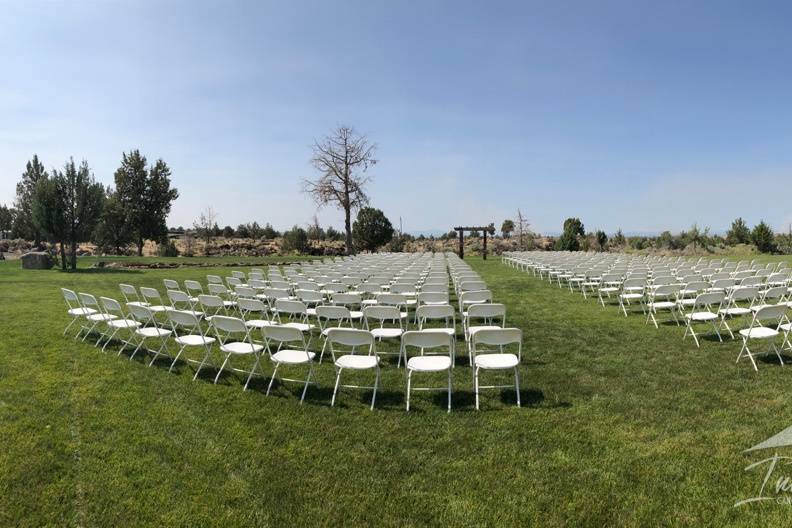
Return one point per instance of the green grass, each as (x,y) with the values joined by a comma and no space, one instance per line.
(622,424)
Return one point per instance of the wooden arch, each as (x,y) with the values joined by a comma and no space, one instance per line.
(484,229)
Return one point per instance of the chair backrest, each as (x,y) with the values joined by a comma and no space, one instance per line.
(480,296)
(666,290)
(245,292)
(352,337)
(229,325)
(487,311)
(634,283)
(770,313)
(182,319)
(150,294)
(193,286)
(347,299)
(170,284)
(282,334)
(473,285)
(382,313)
(88,300)
(499,337)
(309,296)
(212,302)
(433,297)
(332,313)
(111,306)
(70,297)
(403,288)
(129,292)
(705,300)
(435,311)
(290,307)
(435,287)
(744,293)
(775,293)
(392,299)
(179,298)
(140,313)
(217,289)
(214,279)
(247,306)
(426,339)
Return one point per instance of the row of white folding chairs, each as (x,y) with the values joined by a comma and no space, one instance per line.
(234,337)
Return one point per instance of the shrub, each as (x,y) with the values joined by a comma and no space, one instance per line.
(296,239)
(763,238)
(167,249)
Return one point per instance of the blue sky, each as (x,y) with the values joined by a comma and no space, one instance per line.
(640,115)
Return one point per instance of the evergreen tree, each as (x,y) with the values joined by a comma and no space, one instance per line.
(24,226)
(371,229)
(763,238)
(738,233)
(112,231)
(568,241)
(146,196)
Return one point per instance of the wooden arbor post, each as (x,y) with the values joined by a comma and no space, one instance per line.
(461,230)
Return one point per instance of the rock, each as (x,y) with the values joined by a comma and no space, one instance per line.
(36,260)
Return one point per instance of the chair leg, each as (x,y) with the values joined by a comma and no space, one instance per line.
(476,386)
(228,356)
(449,390)
(307,381)
(272,379)
(517,384)
(110,338)
(335,390)
(74,319)
(376,384)
(409,380)
(256,364)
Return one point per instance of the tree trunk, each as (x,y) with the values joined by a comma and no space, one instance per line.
(348,227)
(73,254)
(140,246)
(63,256)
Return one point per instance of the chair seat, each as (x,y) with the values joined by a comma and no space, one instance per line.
(759,332)
(311,311)
(448,331)
(628,296)
(369,302)
(123,323)
(157,308)
(140,303)
(701,316)
(686,302)
(356,362)
(259,323)
(355,314)
(786,327)
(194,340)
(386,332)
(151,331)
(429,363)
(292,357)
(302,327)
(102,317)
(735,311)
(82,311)
(241,347)
(609,289)
(496,361)
(473,329)
(660,305)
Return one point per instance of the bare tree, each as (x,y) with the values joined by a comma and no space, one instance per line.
(523,231)
(204,226)
(342,158)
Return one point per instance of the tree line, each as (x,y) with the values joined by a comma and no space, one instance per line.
(68,206)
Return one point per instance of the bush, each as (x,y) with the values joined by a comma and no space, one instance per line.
(763,238)
(296,239)
(371,229)
(167,249)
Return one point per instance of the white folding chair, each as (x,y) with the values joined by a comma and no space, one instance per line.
(75,310)
(96,318)
(233,336)
(484,359)
(152,297)
(427,341)
(705,309)
(765,325)
(130,294)
(329,317)
(187,332)
(384,322)
(284,336)
(149,328)
(732,308)
(362,355)
(662,298)
(118,323)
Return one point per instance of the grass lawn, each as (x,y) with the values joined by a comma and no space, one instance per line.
(622,424)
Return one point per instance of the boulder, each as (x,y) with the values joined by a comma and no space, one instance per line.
(37,260)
